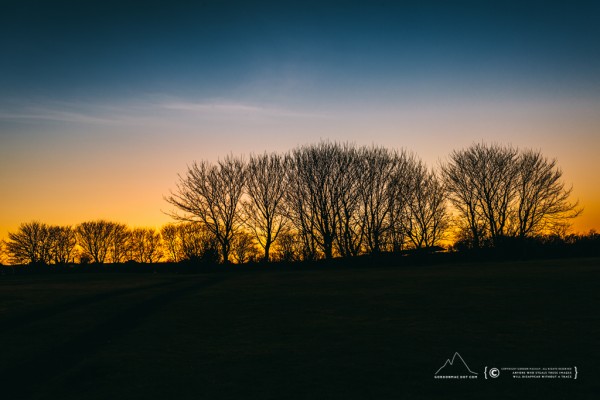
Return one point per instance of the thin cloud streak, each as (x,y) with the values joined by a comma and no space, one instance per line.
(142,112)
(59,116)
(236,108)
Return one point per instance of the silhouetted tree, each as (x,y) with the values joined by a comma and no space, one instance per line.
(172,242)
(427,218)
(298,210)
(119,243)
(197,242)
(500,192)
(288,247)
(187,241)
(479,187)
(243,248)
(264,207)
(63,242)
(542,202)
(30,244)
(349,235)
(144,245)
(382,193)
(315,180)
(102,240)
(211,194)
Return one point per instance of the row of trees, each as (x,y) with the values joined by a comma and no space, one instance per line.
(336,199)
(95,241)
(104,241)
(326,200)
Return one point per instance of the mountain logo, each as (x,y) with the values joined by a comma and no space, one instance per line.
(455,368)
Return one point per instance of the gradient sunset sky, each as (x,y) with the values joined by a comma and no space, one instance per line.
(103,103)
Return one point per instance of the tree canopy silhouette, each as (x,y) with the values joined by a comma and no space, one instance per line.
(211,194)
(502,192)
(327,200)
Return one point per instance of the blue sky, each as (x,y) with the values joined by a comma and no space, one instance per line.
(102,50)
(101,101)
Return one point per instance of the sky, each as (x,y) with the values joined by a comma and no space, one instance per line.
(104,103)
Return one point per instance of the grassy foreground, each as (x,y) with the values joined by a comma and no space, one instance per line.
(378,333)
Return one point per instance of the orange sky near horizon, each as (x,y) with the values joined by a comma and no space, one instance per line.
(120,170)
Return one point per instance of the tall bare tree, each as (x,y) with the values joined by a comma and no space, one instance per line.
(427,217)
(494,165)
(500,191)
(460,179)
(298,210)
(265,207)
(349,235)
(381,193)
(211,194)
(480,187)
(542,202)
(315,180)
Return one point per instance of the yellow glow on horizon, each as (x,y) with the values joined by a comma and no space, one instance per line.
(121,172)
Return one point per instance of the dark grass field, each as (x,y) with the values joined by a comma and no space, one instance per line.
(378,333)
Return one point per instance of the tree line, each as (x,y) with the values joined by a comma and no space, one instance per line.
(330,200)
(327,200)
(103,241)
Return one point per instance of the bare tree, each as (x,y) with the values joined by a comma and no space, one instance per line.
(480,188)
(187,241)
(119,243)
(298,210)
(500,191)
(102,240)
(63,242)
(172,242)
(265,189)
(463,195)
(349,235)
(30,244)
(381,193)
(542,202)
(289,247)
(197,243)
(144,245)
(427,218)
(494,167)
(243,248)
(316,187)
(211,194)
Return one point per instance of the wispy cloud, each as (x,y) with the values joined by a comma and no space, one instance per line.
(57,116)
(233,108)
(141,111)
